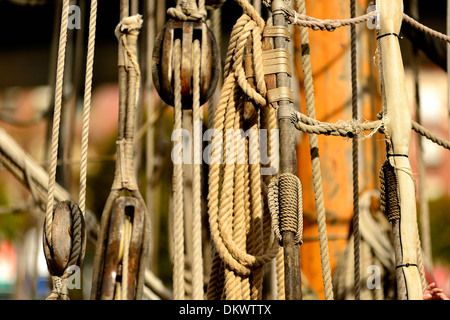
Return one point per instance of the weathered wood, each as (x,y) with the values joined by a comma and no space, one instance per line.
(397,120)
(288,164)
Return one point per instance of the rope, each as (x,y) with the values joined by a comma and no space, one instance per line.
(87,105)
(76,255)
(315,161)
(56,118)
(227,219)
(197,266)
(178,224)
(425,29)
(355,173)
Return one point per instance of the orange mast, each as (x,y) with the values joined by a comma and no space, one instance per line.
(331,70)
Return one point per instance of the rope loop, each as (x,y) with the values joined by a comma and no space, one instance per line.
(286,206)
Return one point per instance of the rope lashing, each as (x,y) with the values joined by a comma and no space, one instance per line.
(389,202)
(291,206)
(67,248)
(188,10)
(122,245)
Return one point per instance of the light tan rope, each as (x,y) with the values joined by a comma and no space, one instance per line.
(315,161)
(56,118)
(227,219)
(178,215)
(425,29)
(87,105)
(197,263)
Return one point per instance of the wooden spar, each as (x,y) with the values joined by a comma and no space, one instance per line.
(288,164)
(397,122)
(329,55)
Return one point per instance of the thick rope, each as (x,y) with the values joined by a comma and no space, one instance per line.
(197,265)
(56,118)
(315,161)
(229,223)
(87,105)
(178,215)
(355,170)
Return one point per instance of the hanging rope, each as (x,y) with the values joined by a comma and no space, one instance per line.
(87,105)
(237,209)
(56,119)
(355,173)
(315,161)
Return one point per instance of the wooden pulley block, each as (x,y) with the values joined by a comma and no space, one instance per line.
(125,234)
(163,61)
(68,238)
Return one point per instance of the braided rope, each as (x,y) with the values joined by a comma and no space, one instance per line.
(56,119)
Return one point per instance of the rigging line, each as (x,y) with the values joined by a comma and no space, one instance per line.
(87,106)
(56,117)
(355,151)
(315,161)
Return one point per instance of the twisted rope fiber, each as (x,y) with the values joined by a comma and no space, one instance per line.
(356,234)
(178,224)
(56,119)
(238,260)
(256,236)
(197,268)
(315,160)
(87,105)
(425,29)
(226,118)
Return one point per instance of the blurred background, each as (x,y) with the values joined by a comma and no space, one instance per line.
(30,29)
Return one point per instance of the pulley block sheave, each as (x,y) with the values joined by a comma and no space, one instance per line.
(163,61)
(123,248)
(68,238)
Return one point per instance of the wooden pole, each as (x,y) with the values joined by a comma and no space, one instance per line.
(288,164)
(397,121)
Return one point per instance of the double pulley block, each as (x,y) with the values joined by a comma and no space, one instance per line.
(163,61)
